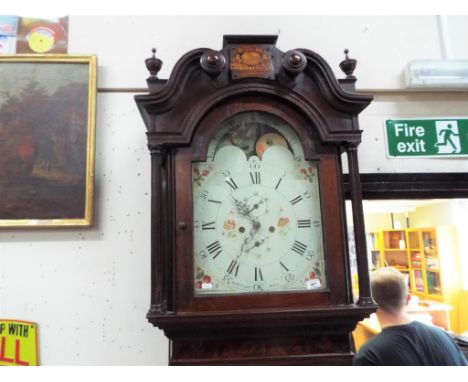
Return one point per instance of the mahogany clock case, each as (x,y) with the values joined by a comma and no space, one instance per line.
(206,88)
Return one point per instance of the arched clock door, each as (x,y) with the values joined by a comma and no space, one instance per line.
(249,247)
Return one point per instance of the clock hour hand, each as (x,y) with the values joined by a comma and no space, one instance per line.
(241,207)
(245,210)
(255,206)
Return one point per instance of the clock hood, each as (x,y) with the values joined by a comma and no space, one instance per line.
(251,65)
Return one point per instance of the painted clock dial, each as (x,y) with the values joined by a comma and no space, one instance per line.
(257,217)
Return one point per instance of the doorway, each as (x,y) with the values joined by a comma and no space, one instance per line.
(418,223)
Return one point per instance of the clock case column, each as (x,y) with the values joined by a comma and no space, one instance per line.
(284,328)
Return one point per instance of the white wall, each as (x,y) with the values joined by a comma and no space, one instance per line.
(382,44)
(89,289)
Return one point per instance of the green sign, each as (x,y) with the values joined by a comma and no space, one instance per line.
(435,137)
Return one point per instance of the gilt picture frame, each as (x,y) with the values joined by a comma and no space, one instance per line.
(47,140)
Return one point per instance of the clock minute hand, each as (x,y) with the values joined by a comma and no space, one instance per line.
(247,240)
(243,210)
(252,233)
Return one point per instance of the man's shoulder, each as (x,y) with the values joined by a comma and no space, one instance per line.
(420,327)
(369,353)
(378,346)
(380,340)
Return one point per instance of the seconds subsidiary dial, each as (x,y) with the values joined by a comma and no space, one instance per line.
(257,219)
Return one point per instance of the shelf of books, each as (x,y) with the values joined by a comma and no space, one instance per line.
(414,252)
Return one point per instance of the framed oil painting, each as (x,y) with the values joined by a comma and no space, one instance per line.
(47,129)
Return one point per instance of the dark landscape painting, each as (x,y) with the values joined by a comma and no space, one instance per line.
(44,128)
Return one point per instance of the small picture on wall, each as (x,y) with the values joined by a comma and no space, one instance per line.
(47,125)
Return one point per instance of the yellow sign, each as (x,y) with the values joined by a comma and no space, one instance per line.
(18,343)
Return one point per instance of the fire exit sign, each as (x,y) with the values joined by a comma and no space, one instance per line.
(435,137)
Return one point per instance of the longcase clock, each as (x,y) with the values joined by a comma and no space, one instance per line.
(249,255)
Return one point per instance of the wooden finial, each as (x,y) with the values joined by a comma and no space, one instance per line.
(153,64)
(348,65)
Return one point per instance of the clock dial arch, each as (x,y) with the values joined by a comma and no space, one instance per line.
(254,202)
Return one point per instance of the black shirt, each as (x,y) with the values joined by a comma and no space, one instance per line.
(414,344)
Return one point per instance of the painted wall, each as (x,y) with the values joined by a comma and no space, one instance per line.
(432,215)
(377,222)
(463,316)
(460,218)
(382,44)
(89,289)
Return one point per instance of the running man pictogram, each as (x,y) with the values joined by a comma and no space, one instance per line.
(447,137)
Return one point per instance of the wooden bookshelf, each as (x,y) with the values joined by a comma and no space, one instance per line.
(414,252)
